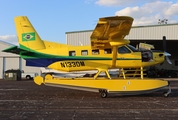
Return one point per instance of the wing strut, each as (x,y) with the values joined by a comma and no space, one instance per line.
(114,56)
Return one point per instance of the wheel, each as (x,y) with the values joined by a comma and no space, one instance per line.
(28,77)
(104,94)
(166,94)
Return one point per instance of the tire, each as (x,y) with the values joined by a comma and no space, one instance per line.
(165,94)
(28,77)
(103,94)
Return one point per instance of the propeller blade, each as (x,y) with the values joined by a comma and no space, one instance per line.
(168,60)
(167,54)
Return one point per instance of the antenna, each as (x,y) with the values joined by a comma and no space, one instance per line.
(162,21)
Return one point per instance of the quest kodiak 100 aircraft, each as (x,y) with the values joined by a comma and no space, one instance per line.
(108,50)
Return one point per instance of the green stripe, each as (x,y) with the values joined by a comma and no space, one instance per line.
(34,54)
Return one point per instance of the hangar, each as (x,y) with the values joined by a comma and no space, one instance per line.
(12,61)
(151,34)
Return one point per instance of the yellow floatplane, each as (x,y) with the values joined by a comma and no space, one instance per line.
(108,50)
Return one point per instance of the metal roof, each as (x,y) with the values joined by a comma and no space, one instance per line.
(157,25)
(6,43)
(149,32)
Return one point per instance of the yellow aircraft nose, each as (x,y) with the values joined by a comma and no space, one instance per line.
(158,57)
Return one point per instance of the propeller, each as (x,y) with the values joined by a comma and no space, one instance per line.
(166,54)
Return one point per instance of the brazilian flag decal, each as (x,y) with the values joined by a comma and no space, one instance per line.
(28,36)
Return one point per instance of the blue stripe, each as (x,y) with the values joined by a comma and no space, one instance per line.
(43,62)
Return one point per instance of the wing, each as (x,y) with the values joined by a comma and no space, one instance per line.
(110,31)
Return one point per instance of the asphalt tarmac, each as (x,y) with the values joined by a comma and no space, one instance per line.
(24,100)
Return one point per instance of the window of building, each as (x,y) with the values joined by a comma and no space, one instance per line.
(72,53)
(84,52)
(95,52)
(107,51)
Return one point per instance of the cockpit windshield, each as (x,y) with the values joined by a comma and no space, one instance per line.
(123,49)
(132,48)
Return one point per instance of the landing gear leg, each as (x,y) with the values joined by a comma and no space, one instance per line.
(141,69)
(166,94)
(102,69)
(97,74)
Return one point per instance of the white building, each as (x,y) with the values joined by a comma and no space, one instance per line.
(12,61)
(138,33)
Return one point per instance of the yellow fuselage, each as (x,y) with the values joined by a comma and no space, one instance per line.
(90,61)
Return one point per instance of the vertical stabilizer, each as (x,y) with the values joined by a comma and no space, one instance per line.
(27,36)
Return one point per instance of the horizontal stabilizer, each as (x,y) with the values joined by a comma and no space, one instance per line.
(13,49)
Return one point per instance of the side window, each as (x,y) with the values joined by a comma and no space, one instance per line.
(84,52)
(107,51)
(95,52)
(123,49)
(72,53)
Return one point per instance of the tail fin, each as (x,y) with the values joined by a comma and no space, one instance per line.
(27,36)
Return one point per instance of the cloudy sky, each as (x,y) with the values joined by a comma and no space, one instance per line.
(53,18)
